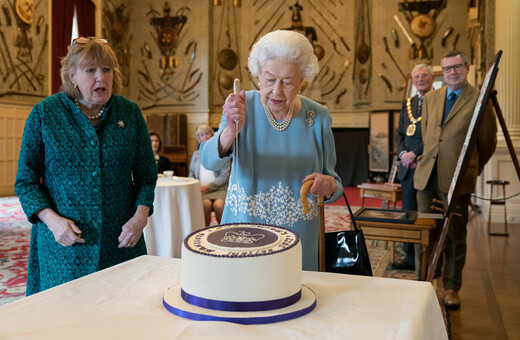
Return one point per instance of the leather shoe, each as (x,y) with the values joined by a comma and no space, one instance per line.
(452,299)
(402,266)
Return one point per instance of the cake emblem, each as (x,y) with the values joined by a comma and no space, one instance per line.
(242,237)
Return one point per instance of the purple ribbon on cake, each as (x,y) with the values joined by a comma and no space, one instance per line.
(261,320)
(231,306)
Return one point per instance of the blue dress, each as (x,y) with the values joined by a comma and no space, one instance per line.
(271,167)
(94,176)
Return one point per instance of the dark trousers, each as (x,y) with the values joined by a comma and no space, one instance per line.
(409,203)
(455,245)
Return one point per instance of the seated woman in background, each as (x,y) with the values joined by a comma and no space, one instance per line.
(163,163)
(213,184)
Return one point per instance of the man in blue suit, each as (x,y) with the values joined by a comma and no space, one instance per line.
(410,146)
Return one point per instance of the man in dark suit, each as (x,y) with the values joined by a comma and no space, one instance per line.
(410,146)
(447,113)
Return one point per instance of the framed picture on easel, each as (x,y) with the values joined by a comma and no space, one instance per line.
(471,135)
(464,158)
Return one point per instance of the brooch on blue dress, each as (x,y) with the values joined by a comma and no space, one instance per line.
(309,118)
(121,124)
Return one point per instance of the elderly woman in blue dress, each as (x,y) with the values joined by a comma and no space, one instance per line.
(86,172)
(284,139)
(213,184)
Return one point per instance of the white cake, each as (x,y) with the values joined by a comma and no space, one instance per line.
(242,264)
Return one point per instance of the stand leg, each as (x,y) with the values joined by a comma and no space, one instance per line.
(506,231)
(490,208)
(505,132)
(425,258)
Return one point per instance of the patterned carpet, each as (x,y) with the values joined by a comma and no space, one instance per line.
(15,232)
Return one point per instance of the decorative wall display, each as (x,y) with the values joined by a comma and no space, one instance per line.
(425,31)
(424,26)
(24,35)
(228,64)
(169,60)
(366,48)
(362,74)
(116,28)
(185,54)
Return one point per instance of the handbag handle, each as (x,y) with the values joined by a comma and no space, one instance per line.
(350,211)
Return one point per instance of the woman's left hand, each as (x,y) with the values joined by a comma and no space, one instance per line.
(323,185)
(133,229)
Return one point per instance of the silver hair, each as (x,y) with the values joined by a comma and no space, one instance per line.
(424,66)
(286,46)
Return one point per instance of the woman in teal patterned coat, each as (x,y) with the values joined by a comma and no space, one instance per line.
(86,172)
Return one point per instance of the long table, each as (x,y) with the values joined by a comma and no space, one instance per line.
(125,302)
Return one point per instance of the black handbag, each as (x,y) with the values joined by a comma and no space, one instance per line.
(346,251)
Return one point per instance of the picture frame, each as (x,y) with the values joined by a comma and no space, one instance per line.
(379,141)
(385,215)
(471,134)
(410,89)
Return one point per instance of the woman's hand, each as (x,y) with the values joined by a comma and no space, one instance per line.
(323,185)
(133,229)
(204,189)
(234,109)
(64,230)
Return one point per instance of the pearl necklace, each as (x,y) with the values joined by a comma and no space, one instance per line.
(96,116)
(285,123)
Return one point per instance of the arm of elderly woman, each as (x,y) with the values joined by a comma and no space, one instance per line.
(67,233)
(64,230)
(234,109)
(323,185)
(133,229)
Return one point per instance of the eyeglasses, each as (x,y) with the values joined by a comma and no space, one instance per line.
(84,41)
(456,67)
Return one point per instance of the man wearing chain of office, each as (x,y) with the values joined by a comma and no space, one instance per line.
(409,146)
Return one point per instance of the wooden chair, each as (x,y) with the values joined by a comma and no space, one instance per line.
(388,192)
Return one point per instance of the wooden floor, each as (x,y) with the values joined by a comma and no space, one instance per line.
(490,291)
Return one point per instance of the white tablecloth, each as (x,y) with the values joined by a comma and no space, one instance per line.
(125,302)
(178,211)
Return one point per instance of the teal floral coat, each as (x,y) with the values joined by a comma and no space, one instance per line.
(94,176)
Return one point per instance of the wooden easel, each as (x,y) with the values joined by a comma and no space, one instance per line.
(439,245)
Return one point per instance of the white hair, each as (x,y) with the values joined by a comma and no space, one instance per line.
(288,47)
(427,67)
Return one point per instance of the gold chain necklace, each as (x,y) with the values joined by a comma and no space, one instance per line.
(410,131)
(285,123)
